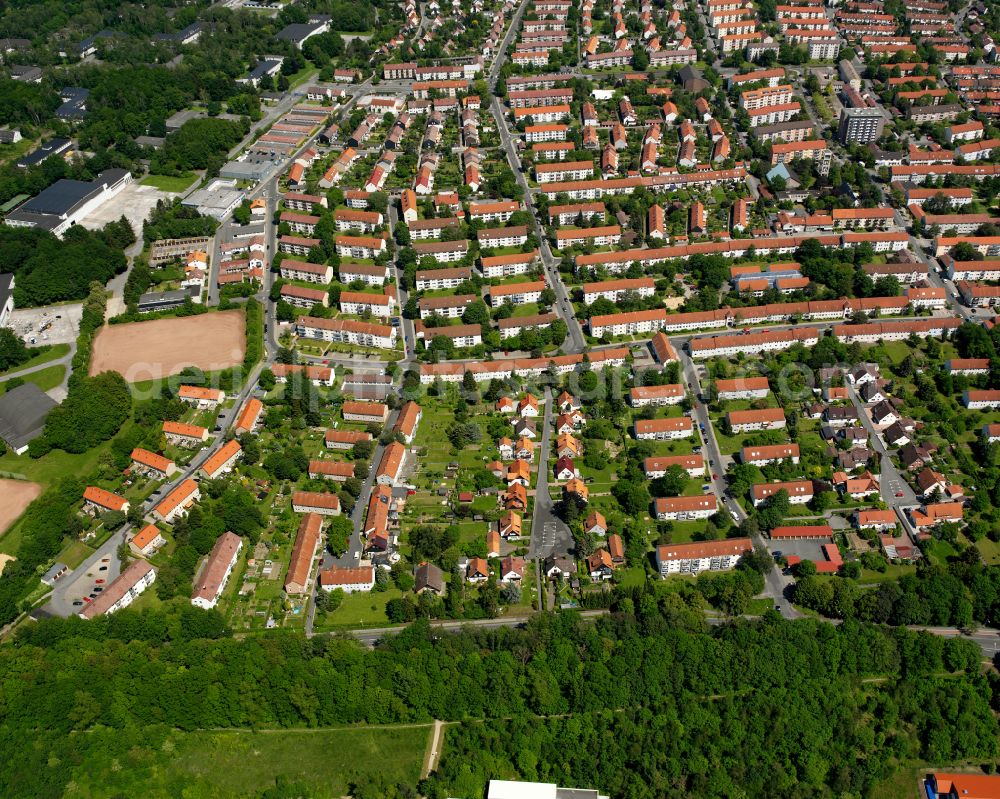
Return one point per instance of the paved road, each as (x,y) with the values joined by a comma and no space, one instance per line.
(891,482)
(504,46)
(549,534)
(406,326)
(65,360)
(563,305)
(776,584)
(372,636)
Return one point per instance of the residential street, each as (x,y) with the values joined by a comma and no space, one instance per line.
(776,584)
(563,306)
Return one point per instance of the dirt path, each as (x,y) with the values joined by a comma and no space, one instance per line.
(434,755)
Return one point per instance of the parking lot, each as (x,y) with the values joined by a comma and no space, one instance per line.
(808,549)
(78,585)
(135,202)
(63,324)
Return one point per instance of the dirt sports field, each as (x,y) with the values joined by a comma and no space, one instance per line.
(15,496)
(163,347)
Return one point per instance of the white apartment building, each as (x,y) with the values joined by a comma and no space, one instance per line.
(503,237)
(799,492)
(701,556)
(216,571)
(663,429)
(305,271)
(657,396)
(448,307)
(508,265)
(346,331)
(358,304)
(359,246)
(684,509)
(656,467)
(742,388)
(436,279)
(628,324)
(614,290)
(516,293)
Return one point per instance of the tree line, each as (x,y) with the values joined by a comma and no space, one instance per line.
(654,698)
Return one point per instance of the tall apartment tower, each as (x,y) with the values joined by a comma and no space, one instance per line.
(860,125)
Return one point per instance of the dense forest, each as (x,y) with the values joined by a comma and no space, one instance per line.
(52,270)
(658,702)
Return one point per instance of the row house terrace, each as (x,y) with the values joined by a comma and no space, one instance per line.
(502,368)
(346,331)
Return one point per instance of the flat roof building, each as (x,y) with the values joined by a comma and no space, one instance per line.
(860,125)
(61,205)
(23,411)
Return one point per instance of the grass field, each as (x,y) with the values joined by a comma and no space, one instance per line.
(53,352)
(47,378)
(168,182)
(326,762)
(904,784)
(359,610)
(55,465)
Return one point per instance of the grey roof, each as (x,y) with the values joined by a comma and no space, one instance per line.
(61,197)
(263,68)
(54,573)
(52,147)
(25,72)
(246,170)
(78,93)
(74,103)
(180,35)
(22,414)
(6,289)
(165,298)
(299,31)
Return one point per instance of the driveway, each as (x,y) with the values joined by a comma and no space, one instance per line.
(81,581)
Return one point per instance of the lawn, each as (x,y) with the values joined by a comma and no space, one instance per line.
(359,610)
(990,550)
(683,532)
(48,378)
(54,465)
(169,182)
(939,551)
(893,572)
(327,762)
(634,576)
(74,553)
(50,354)
(760,605)
(904,784)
